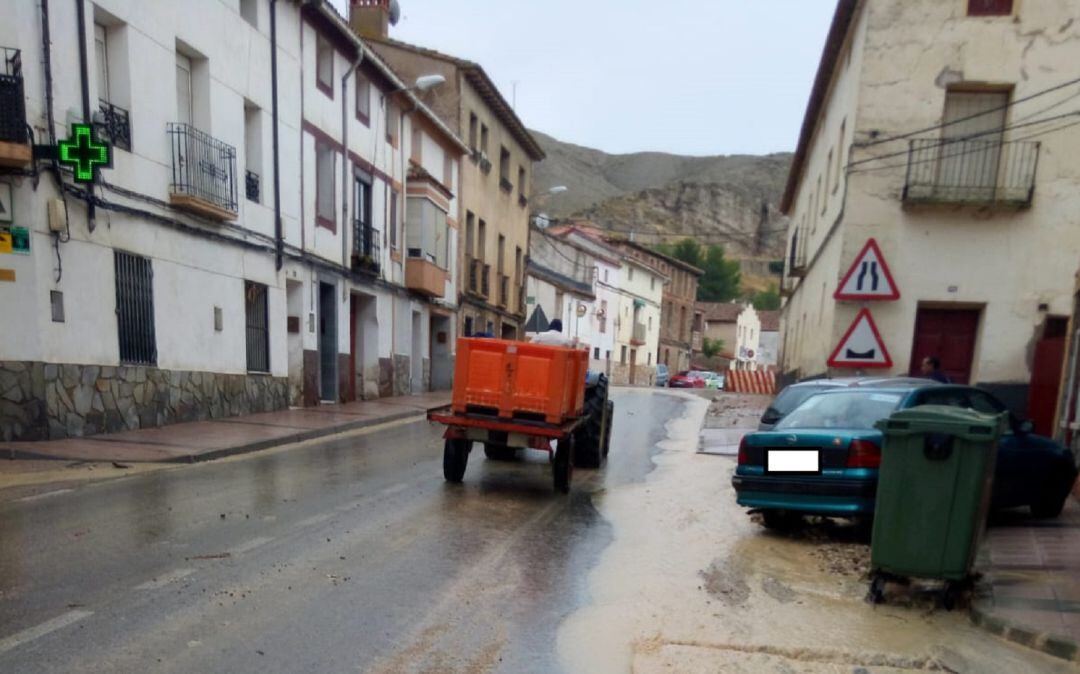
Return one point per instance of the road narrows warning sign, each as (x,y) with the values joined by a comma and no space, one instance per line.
(861,346)
(869,277)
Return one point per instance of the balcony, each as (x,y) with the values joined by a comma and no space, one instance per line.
(203,173)
(982,172)
(506,186)
(113,124)
(422,276)
(366,251)
(15,149)
(797,258)
(251,185)
(639,334)
(787,287)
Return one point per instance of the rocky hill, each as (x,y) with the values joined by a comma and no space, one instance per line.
(731,200)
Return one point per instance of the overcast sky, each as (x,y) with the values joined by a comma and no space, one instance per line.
(681,76)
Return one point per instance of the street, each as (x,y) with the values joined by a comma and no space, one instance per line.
(352,554)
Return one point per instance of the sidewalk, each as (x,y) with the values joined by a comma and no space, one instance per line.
(207,440)
(1031,585)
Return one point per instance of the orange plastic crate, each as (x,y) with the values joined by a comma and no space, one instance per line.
(519,379)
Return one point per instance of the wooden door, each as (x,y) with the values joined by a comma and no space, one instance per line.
(950,335)
(1045,383)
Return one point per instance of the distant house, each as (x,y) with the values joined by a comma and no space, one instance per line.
(769,343)
(720,323)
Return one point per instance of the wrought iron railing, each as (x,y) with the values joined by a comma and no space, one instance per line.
(251,185)
(974,171)
(12,98)
(366,250)
(485,281)
(114,125)
(202,166)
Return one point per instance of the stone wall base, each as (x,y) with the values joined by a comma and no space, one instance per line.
(48,401)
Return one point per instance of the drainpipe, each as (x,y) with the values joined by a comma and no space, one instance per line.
(80,7)
(279,242)
(345,162)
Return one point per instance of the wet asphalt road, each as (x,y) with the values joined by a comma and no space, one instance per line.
(337,556)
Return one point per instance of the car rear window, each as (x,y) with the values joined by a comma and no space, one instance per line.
(792,397)
(857,410)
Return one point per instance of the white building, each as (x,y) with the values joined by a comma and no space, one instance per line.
(225,268)
(747,340)
(934,129)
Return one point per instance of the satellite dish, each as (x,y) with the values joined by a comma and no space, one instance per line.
(395,12)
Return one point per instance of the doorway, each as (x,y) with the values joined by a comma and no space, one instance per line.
(633,365)
(327,342)
(1046,374)
(950,335)
(416,359)
(442,365)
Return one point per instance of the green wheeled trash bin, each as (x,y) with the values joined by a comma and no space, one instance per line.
(933,495)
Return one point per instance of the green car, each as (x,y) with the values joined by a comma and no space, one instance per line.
(823,457)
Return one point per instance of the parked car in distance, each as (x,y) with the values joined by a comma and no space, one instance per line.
(838,424)
(713,380)
(793,395)
(686,379)
(662,375)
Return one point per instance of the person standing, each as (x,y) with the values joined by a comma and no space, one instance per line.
(931,369)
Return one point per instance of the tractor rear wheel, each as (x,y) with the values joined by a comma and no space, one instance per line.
(455,458)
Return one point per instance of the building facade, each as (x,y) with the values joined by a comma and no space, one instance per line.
(931,130)
(495,178)
(238,254)
(559,284)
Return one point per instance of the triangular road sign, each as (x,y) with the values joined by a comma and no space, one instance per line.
(861,345)
(869,277)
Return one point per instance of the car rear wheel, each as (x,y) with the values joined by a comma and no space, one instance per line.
(1049,505)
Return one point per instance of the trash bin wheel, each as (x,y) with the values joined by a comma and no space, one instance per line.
(877,589)
(1049,504)
(562,469)
(950,594)
(455,458)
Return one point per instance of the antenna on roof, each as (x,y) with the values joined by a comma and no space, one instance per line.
(395,12)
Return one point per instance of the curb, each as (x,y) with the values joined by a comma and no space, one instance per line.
(302,436)
(1055,645)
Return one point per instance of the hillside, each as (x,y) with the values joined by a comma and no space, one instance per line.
(729,200)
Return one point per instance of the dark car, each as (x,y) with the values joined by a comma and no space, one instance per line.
(685,379)
(838,425)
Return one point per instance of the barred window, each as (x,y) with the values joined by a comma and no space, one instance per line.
(135,309)
(258,335)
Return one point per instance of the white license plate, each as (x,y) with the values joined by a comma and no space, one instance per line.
(793,461)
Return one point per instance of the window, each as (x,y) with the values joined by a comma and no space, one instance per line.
(473,124)
(249,9)
(184,95)
(468,326)
(603,316)
(605,276)
(504,170)
(829,169)
(393,219)
(426,235)
(393,121)
(622,358)
(470,223)
(823,203)
(252,150)
(364,241)
(989,7)
(481,240)
(500,260)
(521,181)
(652,283)
(682,324)
(608,355)
(135,309)
(448,171)
(840,156)
(363,99)
(483,138)
(596,353)
(324,66)
(101,53)
(258,334)
(517,266)
(649,359)
(324,185)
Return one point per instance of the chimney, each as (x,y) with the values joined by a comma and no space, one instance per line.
(370,18)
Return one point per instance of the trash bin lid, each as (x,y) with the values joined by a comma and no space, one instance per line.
(957,421)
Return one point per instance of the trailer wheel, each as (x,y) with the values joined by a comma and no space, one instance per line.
(455,458)
(609,422)
(589,452)
(562,469)
(499,452)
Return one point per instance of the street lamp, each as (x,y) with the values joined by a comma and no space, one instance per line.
(541,220)
(423,84)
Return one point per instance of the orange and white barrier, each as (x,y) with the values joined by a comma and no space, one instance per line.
(742,381)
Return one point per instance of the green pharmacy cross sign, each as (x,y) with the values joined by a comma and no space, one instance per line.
(83,153)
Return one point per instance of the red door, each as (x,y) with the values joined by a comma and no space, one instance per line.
(1045,381)
(948,334)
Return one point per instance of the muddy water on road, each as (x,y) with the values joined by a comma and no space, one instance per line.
(691,584)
